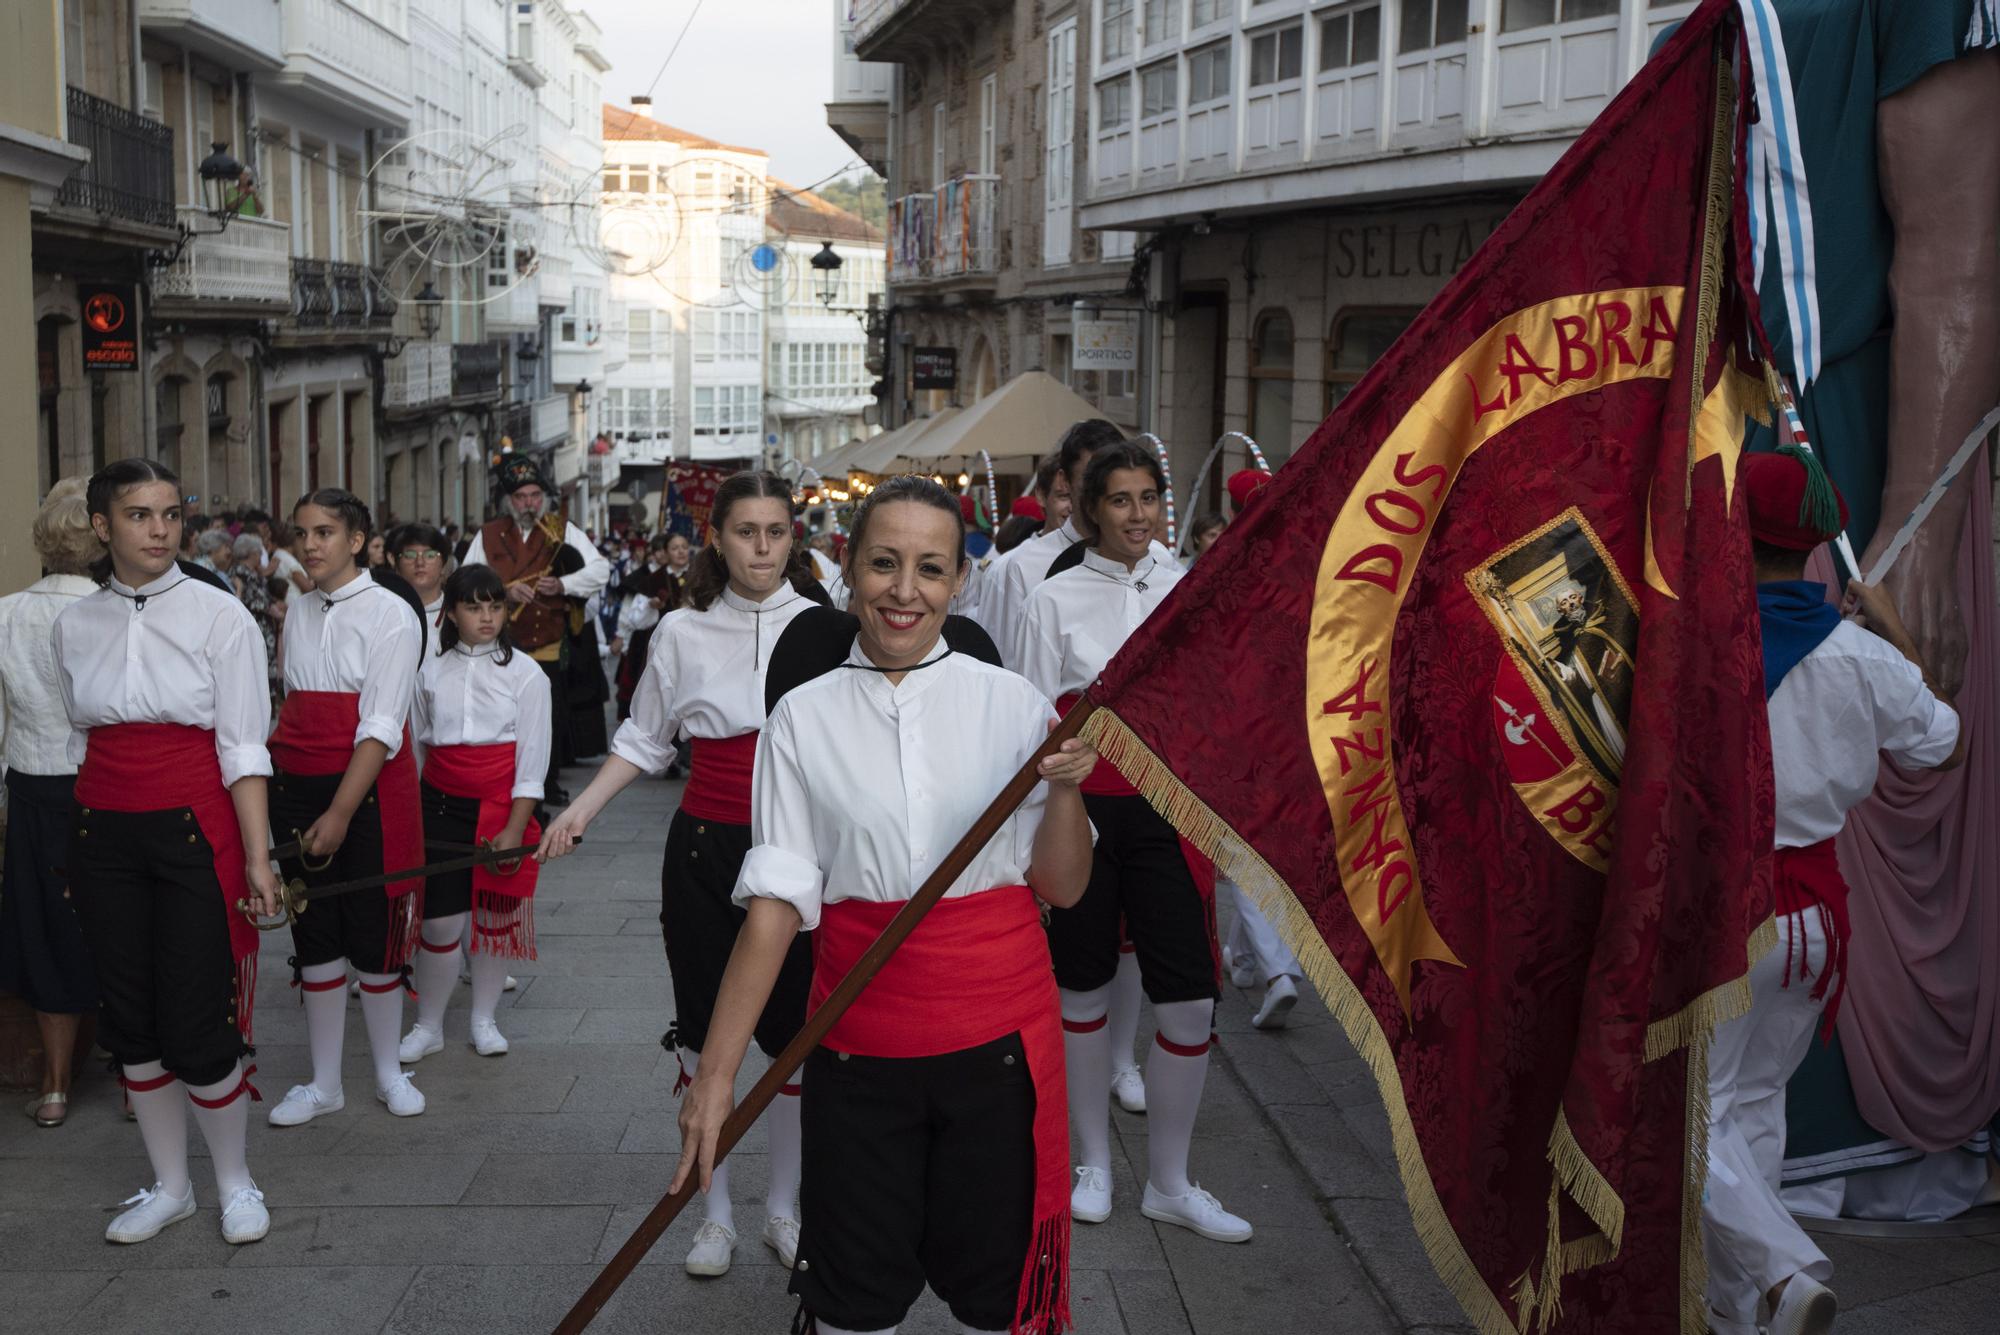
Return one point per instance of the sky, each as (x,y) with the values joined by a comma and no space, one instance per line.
(752,72)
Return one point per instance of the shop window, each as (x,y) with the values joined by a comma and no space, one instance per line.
(1359,339)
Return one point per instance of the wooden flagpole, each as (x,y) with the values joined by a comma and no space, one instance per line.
(821,1021)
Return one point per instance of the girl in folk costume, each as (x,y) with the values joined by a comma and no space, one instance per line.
(423,557)
(162,676)
(1072,624)
(482,724)
(346,790)
(935,1144)
(705,674)
(651,591)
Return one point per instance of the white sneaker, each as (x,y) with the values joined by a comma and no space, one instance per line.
(487,1040)
(781,1235)
(714,1246)
(1242,969)
(511,983)
(152,1210)
(244,1218)
(403,1098)
(302,1103)
(1807,1307)
(420,1042)
(1129,1088)
(1198,1212)
(1090,1198)
(1279,998)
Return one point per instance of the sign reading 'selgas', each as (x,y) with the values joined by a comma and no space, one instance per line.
(110,329)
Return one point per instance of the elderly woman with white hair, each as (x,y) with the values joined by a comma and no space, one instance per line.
(214,550)
(42,954)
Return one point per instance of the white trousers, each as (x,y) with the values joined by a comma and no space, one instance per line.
(1252,934)
(1751,1239)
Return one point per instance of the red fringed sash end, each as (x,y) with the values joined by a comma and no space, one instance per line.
(1809,879)
(1042,1307)
(503,926)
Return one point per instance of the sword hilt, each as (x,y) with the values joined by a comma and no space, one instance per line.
(291,898)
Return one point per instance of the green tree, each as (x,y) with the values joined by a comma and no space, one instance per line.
(863,194)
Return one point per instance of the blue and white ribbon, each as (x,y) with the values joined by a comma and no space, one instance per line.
(1778,181)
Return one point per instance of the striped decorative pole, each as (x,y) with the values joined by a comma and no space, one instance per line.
(1167,472)
(993,515)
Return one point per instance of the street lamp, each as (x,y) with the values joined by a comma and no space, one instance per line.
(827,265)
(219,175)
(429,305)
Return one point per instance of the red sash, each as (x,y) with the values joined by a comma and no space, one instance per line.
(502,915)
(718,786)
(315,736)
(1809,878)
(976,969)
(161,766)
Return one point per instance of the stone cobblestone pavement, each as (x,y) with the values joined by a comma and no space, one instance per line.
(492,1211)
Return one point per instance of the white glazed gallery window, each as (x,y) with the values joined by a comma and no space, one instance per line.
(1520,15)
(1159,21)
(1350,38)
(1115,28)
(1113,154)
(1429,23)
(1159,117)
(614,412)
(1277,56)
(639,335)
(1210,133)
(1206,12)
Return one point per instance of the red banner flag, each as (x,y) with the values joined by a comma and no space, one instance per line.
(1481,715)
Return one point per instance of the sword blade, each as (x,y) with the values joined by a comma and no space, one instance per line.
(485,857)
(1952,468)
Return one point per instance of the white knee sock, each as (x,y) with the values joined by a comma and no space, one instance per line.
(489,979)
(437,968)
(781,1198)
(382,1013)
(1173,1090)
(715,1202)
(162,1115)
(326,1023)
(1124,1014)
(1087,1062)
(226,1130)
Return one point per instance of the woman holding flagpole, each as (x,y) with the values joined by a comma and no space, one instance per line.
(1072,624)
(934,1138)
(162,676)
(705,675)
(346,790)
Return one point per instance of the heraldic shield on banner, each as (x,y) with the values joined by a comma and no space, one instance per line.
(1483,726)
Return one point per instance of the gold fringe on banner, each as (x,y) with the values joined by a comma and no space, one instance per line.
(1538,1306)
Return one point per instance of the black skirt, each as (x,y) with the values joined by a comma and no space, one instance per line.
(42,955)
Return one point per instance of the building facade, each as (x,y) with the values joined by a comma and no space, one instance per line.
(724,344)
(1266,191)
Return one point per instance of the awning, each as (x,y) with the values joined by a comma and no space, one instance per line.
(886,452)
(1016,424)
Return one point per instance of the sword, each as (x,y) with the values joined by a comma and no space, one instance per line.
(295,895)
(1952,468)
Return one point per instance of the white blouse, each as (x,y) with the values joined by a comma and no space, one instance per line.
(1840,708)
(467,697)
(191,654)
(361,640)
(1005,600)
(31,704)
(705,672)
(1074,623)
(935,749)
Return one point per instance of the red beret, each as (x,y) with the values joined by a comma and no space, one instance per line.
(1782,512)
(1243,484)
(968,508)
(1027,507)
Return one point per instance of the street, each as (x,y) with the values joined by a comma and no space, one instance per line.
(493,1210)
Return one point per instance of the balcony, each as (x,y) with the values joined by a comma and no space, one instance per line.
(551,420)
(475,371)
(418,376)
(347,62)
(893,30)
(246,268)
(946,233)
(859,111)
(130,176)
(331,297)
(241,34)
(1361,102)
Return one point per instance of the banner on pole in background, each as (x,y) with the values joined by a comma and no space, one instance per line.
(689,497)
(110,328)
(1483,726)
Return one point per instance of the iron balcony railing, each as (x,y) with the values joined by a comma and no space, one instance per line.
(475,370)
(130,174)
(333,294)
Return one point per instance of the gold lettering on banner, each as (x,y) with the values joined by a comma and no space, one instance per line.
(1533,358)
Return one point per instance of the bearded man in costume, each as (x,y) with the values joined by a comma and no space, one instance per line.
(550,566)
